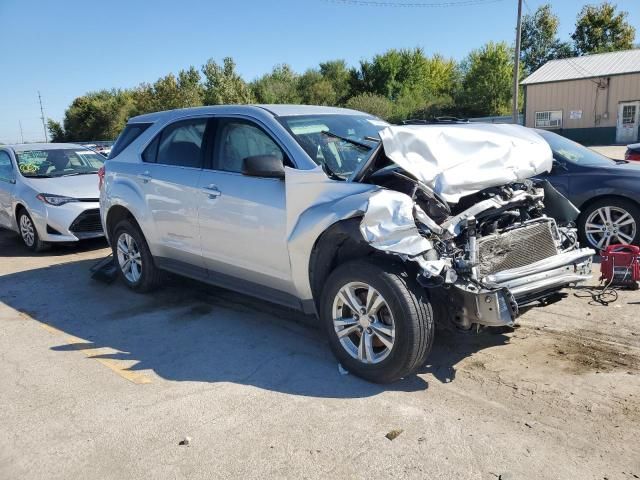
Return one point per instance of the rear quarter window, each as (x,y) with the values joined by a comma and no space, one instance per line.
(128,135)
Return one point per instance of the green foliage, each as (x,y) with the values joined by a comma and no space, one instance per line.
(279,86)
(599,28)
(223,85)
(486,86)
(539,39)
(56,131)
(372,103)
(338,75)
(314,89)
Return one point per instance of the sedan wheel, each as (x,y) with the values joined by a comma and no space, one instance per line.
(610,225)
(363,323)
(129,258)
(27,231)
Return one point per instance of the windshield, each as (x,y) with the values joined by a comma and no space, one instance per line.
(340,142)
(60,162)
(565,149)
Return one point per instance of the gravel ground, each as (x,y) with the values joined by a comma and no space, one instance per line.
(99,382)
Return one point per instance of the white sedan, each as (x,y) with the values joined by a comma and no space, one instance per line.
(49,193)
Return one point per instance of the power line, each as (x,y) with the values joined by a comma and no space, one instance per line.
(386,3)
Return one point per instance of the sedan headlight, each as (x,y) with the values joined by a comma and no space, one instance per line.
(55,200)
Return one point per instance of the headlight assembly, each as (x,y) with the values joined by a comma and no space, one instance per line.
(55,200)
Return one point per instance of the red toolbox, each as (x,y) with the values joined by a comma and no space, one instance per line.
(621,265)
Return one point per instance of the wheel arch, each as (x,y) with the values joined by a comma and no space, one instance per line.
(115,215)
(337,244)
(587,203)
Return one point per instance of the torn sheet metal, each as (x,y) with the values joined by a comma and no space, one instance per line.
(389,225)
(458,160)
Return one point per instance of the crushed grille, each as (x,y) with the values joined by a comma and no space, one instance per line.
(516,248)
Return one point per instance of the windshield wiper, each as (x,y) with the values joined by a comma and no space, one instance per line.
(330,173)
(76,173)
(346,139)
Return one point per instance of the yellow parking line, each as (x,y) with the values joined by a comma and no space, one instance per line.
(114,365)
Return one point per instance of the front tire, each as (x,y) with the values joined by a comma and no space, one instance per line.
(610,221)
(29,234)
(378,319)
(133,258)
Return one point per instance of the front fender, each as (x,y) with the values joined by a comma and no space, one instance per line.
(314,204)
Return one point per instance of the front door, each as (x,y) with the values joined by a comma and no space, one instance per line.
(243,219)
(628,121)
(7,185)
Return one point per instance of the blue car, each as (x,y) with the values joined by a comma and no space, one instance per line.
(606,191)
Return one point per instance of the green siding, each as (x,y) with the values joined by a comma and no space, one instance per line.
(590,136)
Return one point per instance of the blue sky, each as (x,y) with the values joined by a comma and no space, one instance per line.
(66,48)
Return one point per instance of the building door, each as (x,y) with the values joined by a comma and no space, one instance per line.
(628,121)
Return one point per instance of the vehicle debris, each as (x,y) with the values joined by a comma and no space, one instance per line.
(393,434)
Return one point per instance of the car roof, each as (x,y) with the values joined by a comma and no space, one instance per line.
(25,147)
(276,110)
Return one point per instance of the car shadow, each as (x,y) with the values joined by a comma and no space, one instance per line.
(189,331)
(12,246)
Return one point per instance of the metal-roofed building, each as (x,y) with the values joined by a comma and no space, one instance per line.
(594,99)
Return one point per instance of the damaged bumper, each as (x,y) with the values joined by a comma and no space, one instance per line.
(510,289)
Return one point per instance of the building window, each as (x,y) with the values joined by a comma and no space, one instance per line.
(550,119)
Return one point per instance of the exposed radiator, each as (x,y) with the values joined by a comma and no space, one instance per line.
(516,248)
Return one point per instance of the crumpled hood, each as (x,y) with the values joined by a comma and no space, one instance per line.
(462,159)
(78,186)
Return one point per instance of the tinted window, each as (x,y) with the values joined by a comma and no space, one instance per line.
(237,140)
(6,170)
(128,135)
(149,154)
(180,144)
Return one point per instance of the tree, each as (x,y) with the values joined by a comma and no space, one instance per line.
(223,85)
(539,39)
(600,29)
(279,86)
(338,75)
(56,131)
(486,85)
(171,92)
(98,115)
(372,103)
(314,89)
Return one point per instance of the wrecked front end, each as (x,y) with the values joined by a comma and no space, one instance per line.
(486,249)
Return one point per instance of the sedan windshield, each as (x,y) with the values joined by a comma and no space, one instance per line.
(62,162)
(565,149)
(340,143)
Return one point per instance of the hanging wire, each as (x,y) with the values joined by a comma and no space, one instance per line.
(412,4)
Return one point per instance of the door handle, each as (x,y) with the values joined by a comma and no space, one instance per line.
(212,191)
(145,177)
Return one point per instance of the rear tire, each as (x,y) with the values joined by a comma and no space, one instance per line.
(29,234)
(133,258)
(392,334)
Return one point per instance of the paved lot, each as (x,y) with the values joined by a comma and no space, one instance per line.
(99,382)
(612,151)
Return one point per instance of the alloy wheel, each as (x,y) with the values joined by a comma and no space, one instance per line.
(363,322)
(610,225)
(129,258)
(27,231)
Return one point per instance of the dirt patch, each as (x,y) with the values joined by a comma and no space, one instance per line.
(589,355)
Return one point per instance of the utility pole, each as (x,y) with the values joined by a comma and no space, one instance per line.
(516,64)
(21,134)
(44,125)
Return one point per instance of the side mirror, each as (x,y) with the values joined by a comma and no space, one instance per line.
(267,166)
(558,165)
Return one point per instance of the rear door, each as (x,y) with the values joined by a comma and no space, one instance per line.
(243,219)
(169,179)
(7,186)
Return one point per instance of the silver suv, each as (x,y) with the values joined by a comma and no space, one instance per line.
(334,212)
